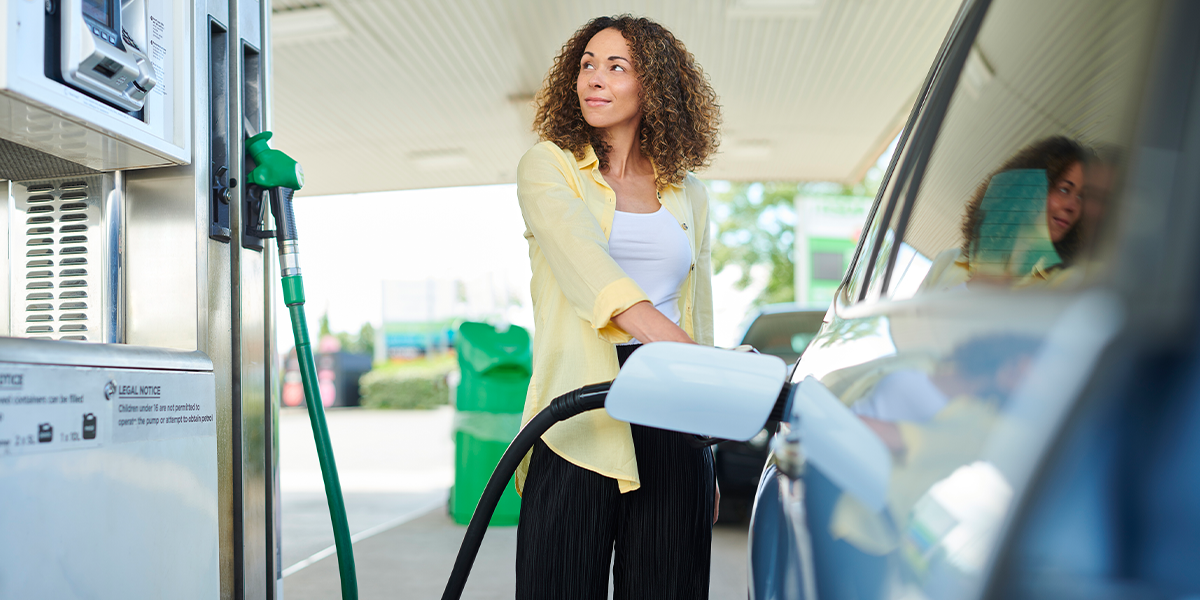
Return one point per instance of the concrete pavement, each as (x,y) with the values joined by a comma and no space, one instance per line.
(391,464)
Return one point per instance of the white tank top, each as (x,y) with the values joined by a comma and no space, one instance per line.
(653,250)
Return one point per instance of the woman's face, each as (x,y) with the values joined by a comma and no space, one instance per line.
(609,91)
(1064,203)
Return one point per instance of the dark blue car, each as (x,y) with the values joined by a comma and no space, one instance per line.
(1004,400)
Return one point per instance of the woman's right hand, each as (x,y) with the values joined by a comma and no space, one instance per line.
(647,324)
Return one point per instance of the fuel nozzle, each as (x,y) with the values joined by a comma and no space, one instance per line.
(281,176)
(274,168)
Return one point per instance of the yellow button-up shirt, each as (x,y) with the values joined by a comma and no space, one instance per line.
(578,288)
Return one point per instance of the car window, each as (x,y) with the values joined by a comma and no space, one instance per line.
(1016,193)
(867,273)
(863,264)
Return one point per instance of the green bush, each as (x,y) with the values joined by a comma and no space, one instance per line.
(421,386)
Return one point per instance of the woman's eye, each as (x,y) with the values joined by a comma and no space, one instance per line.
(618,68)
(585,66)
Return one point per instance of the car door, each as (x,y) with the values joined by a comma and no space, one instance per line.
(983,292)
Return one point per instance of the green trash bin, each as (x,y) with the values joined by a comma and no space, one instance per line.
(495,369)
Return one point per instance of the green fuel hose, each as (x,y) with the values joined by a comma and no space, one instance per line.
(278,173)
(293,297)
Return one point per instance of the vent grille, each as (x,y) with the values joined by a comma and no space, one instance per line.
(57,295)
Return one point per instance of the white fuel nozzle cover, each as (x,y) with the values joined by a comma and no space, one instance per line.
(697,389)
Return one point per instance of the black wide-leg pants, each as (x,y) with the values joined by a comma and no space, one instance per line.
(573,519)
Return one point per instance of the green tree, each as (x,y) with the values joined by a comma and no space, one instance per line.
(362,343)
(755,225)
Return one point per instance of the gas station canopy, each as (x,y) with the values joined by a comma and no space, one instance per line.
(374,95)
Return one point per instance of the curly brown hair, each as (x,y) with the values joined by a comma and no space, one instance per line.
(1055,155)
(680,114)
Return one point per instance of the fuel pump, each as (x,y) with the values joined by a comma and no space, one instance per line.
(138,396)
(279,175)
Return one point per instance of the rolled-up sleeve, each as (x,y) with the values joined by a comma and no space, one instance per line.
(573,243)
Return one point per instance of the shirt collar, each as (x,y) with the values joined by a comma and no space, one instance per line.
(589,160)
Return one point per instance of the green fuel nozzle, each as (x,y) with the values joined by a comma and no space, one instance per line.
(281,176)
(274,168)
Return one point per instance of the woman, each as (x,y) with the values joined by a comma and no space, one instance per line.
(1062,160)
(618,243)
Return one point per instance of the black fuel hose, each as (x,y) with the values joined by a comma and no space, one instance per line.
(589,397)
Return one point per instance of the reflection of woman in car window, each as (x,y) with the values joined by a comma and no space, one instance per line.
(984,228)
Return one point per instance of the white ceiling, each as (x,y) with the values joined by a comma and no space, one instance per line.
(377,95)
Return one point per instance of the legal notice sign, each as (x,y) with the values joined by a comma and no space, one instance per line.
(60,408)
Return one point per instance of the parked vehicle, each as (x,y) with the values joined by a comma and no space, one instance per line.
(782,330)
(1003,402)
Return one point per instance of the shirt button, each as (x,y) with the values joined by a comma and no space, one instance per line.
(685,226)
(693,267)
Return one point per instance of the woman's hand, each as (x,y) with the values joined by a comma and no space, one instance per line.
(716,501)
(647,324)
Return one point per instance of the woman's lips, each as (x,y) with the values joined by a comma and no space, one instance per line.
(596,101)
(1061,223)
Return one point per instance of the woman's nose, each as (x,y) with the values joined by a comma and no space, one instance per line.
(1074,204)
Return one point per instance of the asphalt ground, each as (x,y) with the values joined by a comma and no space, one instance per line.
(396,468)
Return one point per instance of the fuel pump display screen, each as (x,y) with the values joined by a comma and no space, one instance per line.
(100,10)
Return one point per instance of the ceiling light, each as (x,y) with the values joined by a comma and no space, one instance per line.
(748,149)
(976,73)
(306,25)
(441,160)
(773,8)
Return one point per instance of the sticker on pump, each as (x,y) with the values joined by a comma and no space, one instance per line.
(50,409)
(153,406)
